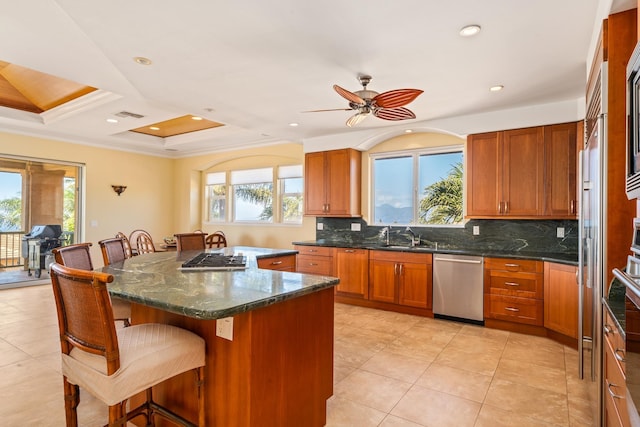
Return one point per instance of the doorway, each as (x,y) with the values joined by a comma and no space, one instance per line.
(35,192)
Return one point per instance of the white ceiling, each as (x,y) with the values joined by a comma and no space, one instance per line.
(257,65)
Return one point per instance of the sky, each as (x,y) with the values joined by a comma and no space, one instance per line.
(10,185)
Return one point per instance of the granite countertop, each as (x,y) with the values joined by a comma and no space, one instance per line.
(561,258)
(614,302)
(154,280)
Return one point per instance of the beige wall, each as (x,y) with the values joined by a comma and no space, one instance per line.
(147,202)
(165,196)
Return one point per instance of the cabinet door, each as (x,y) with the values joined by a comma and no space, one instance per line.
(560,170)
(343,182)
(523,172)
(314,184)
(382,277)
(415,285)
(484,183)
(352,267)
(561,299)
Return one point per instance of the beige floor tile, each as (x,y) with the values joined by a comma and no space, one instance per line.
(469,360)
(534,354)
(493,417)
(10,354)
(550,379)
(352,354)
(529,402)
(341,371)
(393,421)
(433,408)
(346,413)
(496,335)
(477,344)
(397,366)
(375,391)
(458,382)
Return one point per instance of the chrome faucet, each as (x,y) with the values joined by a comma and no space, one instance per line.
(386,234)
(415,239)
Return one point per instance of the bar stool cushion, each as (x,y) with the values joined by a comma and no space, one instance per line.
(149,354)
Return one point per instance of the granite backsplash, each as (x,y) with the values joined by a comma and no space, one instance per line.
(531,236)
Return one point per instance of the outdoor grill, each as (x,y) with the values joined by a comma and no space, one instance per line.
(37,246)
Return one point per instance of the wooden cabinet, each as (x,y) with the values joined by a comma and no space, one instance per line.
(614,383)
(505,173)
(332,183)
(513,290)
(352,267)
(314,260)
(561,299)
(281,263)
(523,173)
(401,278)
(560,171)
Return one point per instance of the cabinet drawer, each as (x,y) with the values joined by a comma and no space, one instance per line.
(513,309)
(284,263)
(313,264)
(314,250)
(401,257)
(524,285)
(614,340)
(614,386)
(514,265)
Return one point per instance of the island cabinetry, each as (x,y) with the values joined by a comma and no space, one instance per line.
(332,183)
(615,407)
(314,260)
(280,263)
(506,174)
(401,278)
(560,156)
(514,290)
(352,267)
(561,299)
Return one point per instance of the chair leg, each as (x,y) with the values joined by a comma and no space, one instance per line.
(71,401)
(201,403)
(118,415)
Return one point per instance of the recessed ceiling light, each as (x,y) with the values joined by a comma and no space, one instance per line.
(142,60)
(196,118)
(496,88)
(154,128)
(469,30)
(293,124)
(112,120)
(408,131)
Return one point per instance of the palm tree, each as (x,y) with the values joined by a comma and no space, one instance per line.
(11,214)
(260,194)
(442,201)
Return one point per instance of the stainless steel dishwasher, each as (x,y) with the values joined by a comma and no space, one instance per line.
(458,287)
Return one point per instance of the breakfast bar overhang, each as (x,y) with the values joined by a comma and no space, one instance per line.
(278,368)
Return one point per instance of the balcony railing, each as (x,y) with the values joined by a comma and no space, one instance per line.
(10,249)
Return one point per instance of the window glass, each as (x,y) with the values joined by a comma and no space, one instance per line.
(393,190)
(216,197)
(253,195)
(440,189)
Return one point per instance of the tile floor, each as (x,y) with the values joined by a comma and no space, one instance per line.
(390,370)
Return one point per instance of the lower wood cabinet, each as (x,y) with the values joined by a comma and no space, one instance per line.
(401,278)
(614,381)
(352,267)
(281,263)
(561,298)
(314,260)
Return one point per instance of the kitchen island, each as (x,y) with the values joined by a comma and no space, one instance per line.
(278,367)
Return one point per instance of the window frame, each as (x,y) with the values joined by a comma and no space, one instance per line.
(415,155)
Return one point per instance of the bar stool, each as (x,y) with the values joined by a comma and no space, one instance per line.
(114,365)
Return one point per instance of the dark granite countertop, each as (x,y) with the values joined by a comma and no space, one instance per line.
(561,258)
(614,302)
(154,280)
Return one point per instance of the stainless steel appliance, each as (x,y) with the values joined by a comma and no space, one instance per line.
(633,125)
(37,246)
(592,235)
(458,287)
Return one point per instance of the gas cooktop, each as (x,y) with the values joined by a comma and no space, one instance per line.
(214,261)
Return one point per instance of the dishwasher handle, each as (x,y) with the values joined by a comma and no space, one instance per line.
(462,261)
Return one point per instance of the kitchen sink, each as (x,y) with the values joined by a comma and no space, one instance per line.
(407,247)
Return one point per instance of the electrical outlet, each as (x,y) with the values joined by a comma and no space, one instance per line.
(560,232)
(355,226)
(224,328)
(476,230)
(320,226)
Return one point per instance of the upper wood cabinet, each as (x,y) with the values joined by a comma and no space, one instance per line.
(505,172)
(332,183)
(560,158)
(522,173)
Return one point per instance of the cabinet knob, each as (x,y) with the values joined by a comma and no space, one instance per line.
(276,263)
(506,207)
(349,251)
(619,354)
(611,392)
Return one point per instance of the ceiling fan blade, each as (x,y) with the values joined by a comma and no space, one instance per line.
(330,109)
(356,118)
(394,114)
(349,96)
(396,98)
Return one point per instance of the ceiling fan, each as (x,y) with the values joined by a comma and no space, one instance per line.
(387,105)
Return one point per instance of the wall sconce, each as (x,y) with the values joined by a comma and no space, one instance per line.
(119,189)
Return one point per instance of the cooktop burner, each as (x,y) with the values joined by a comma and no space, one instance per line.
(213,261)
